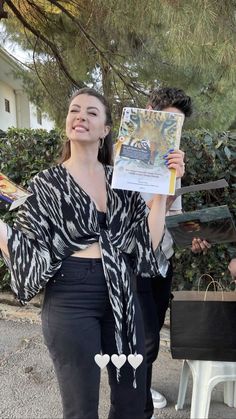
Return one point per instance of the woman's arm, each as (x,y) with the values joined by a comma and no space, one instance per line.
(3,238)
(156,217)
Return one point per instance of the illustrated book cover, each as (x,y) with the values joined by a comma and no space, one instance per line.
(214,224)
(145,138)
(12,193)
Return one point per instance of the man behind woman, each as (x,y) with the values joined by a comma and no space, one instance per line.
(154,293)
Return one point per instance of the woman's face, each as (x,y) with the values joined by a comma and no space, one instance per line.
(86,119)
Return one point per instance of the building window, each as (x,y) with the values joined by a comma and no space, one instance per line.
(39,116)
(7,105)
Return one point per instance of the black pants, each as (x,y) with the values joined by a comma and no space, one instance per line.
(154,296)
(78,323)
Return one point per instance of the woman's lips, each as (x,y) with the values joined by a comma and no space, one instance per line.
(80,128)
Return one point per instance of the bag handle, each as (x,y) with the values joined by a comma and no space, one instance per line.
(219,284)
(209,276)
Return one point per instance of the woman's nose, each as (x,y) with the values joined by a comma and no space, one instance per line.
(81,116)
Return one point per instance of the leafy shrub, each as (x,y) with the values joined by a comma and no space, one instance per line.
(209,156)
(23,153)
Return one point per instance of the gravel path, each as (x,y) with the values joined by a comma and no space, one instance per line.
(28,389)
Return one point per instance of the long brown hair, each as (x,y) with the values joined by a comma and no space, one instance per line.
(106,152)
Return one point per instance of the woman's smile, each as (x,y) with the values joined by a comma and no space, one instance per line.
(80,128)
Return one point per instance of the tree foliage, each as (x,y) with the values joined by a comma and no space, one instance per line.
(209,156)
(128,47)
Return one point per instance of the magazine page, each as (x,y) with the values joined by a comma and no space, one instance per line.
(145,137)
(214,224)
(12,193)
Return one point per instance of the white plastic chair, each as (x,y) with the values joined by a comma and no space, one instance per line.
(206,374)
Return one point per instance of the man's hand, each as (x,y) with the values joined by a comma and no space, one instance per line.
(232,268)
(199,245)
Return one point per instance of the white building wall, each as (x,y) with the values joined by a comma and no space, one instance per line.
(22,109)
(7,119)
(34,124)
(22,113)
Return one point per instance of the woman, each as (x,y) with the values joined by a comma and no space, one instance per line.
(79,238)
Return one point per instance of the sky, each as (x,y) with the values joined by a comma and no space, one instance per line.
(13,48)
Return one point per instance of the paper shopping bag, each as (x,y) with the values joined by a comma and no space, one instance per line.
(203,330)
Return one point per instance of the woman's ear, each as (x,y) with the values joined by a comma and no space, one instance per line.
(149,107)
(107,130)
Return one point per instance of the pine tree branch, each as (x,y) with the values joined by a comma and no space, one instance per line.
(3,13)
(129,85)
(39,35)
(36,71)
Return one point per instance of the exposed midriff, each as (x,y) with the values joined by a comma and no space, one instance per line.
(93,251)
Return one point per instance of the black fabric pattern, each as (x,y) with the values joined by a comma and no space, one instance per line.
(60,218)
(102,219)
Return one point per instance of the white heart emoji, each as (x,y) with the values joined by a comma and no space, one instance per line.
(102,360)
(118,360)
(135,360)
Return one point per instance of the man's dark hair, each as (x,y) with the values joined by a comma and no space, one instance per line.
(166,97)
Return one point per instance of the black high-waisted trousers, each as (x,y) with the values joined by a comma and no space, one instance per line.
(78,323)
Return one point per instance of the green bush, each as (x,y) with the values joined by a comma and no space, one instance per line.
(209,156)
(23,153)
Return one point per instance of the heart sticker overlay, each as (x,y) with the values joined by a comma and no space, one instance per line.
(135,360)
(118,360)
(101,360)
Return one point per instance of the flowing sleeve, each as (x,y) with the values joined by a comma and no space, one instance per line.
(30,249)
(148,262)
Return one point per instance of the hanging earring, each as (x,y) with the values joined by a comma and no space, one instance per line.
(101,143)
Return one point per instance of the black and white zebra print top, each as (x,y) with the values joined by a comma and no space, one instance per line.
(60,218)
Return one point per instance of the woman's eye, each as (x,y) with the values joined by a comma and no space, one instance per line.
(93,113)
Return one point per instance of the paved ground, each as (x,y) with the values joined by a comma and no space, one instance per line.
(28,389)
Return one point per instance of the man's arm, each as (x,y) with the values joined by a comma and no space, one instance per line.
(232,268)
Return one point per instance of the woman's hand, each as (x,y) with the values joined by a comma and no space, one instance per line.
(175,160)
(232,268)
(199,245)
